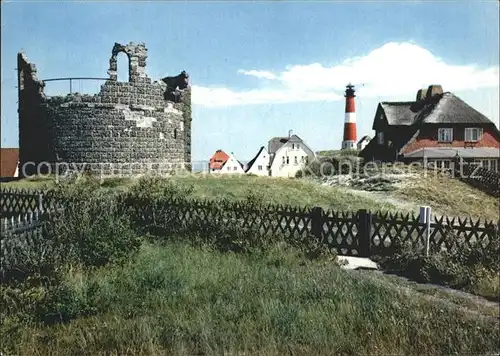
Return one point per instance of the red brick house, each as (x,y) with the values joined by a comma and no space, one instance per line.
(436,127)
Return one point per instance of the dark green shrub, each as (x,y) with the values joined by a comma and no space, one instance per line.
(149,205)
(462,267)
(92,225)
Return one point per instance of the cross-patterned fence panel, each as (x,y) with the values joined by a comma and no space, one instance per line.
(341,232)
(453,233)
(360,233)
(14,202)
(391,231)
(18,201)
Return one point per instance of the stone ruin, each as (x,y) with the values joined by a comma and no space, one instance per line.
(127,128)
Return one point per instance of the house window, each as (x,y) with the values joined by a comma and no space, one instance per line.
(307,159)
(490,164)
(295,160)
(473,134)
(494,166)
(298,146)
(302,159)
(287,160)
(380,138)
(283,159)
(228,168)
(234,168)
(445,135)
(259,168)
(440,164)
(293,146)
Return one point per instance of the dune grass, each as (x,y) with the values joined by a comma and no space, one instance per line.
(236,187)
(295,192)
(181,300)
(450,197)
(447,196)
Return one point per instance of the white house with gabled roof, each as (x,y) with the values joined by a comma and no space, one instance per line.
(288,155)
(232,165)
(259,165)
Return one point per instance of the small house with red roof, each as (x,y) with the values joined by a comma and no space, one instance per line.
(217,161)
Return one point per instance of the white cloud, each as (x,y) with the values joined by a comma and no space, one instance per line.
(226,97)
(259,74)
(395,69)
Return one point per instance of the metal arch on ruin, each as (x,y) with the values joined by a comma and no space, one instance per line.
(71,80)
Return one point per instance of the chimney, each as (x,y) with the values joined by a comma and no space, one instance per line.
(349,141)
(421,94)
(433,90)
(290,133)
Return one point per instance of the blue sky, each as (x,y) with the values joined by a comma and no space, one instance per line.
(259,69)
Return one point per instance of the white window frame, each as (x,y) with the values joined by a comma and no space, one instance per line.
(442,132)
(468,134)
(295,160)
(494,165)
(259,168)
(380,138)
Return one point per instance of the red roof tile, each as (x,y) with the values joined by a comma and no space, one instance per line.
(9,158)
(218,159)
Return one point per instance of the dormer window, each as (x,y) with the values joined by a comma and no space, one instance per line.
(473,134)
(445,135)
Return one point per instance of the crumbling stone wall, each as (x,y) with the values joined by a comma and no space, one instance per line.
(128,128)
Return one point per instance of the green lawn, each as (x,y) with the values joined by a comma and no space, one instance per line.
(180,300)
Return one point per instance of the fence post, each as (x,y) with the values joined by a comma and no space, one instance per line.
(40,202)
(317,223)
(364,225)
(425,218)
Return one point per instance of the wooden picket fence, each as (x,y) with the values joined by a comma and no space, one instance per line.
(14,202)
(20,236)
(361,233)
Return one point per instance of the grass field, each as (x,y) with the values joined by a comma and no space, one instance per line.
(176,299)
(445,195)
(272,190)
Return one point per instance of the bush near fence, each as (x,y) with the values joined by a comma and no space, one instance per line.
(162,208)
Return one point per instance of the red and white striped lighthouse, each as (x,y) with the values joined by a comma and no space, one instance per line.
(349,141)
